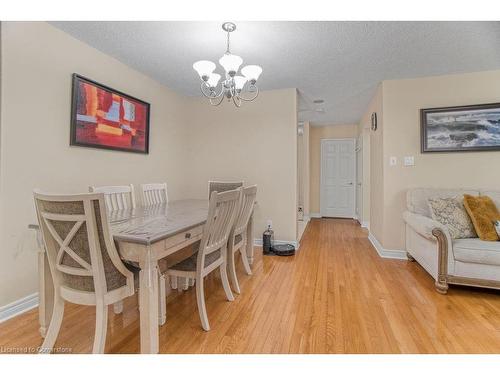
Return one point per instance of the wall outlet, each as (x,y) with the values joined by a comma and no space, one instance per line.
(270,223)
(393,161)
(409,161)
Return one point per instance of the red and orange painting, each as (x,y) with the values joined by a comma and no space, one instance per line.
(106,118)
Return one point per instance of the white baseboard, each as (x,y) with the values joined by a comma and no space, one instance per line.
(386,253)
(18,307)
(258,242)
(365,224)
(315,215)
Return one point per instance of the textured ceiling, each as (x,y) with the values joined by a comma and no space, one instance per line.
(339,62)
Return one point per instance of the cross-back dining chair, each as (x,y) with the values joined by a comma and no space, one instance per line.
(212,251)
(238,235)
(154,194)
(221,186)
(84,263)
(117,197)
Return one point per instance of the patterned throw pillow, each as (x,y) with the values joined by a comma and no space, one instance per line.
(451,213)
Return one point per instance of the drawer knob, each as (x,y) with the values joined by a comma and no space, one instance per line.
(188,235)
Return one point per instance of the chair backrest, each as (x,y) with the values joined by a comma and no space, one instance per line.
(80,249)
(247,202)
(116,197)
(154,194)
(221,186)
(222,211)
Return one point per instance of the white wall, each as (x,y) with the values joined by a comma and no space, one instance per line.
(398,104)
(256,143)
(37,63)
(402,101)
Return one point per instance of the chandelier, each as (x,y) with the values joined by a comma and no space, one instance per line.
(236,88)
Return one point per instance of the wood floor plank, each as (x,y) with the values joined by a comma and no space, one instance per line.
(335,296)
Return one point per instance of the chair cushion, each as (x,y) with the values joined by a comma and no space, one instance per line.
(168,262)
(474,250)
(483,213)
(189,264)
(417,200)
(451,213)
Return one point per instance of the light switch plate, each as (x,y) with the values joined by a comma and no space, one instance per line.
(409,161)
(393,161)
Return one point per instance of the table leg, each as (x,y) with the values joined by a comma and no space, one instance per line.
(45,288)
(148,303)
(249,243)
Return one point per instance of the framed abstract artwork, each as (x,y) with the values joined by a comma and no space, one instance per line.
(102,117)
(465,128)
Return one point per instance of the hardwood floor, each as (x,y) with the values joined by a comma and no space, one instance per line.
(335,296)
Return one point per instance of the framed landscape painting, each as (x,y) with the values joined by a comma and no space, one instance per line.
(466,128)
(102,117)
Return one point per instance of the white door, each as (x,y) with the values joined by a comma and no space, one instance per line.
(338,176)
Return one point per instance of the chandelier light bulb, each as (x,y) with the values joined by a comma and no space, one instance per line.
(204,68)
(239,82)
(213,80)
(231,63)
(251,72)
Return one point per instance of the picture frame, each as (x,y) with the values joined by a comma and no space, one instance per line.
(460,128)
(105,118)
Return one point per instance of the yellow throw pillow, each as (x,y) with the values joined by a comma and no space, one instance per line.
(483,213)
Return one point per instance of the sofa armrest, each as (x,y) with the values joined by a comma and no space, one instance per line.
(425,226)
(434,231)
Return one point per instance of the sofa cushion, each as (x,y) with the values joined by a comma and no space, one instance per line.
(474,250)
(417,200)
(483,213)
(451,213)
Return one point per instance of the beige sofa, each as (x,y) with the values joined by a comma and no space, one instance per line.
(467,261)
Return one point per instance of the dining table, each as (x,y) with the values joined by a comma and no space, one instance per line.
(143,235)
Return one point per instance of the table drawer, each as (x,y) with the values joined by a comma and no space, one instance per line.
(184,236)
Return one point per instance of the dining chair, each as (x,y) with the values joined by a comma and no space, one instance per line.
(117,197)
(212,251)
(154,194)
(238,235)
(83,260)
(221,186)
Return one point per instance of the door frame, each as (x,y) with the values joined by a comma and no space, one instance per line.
(353,166)
(359,158)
